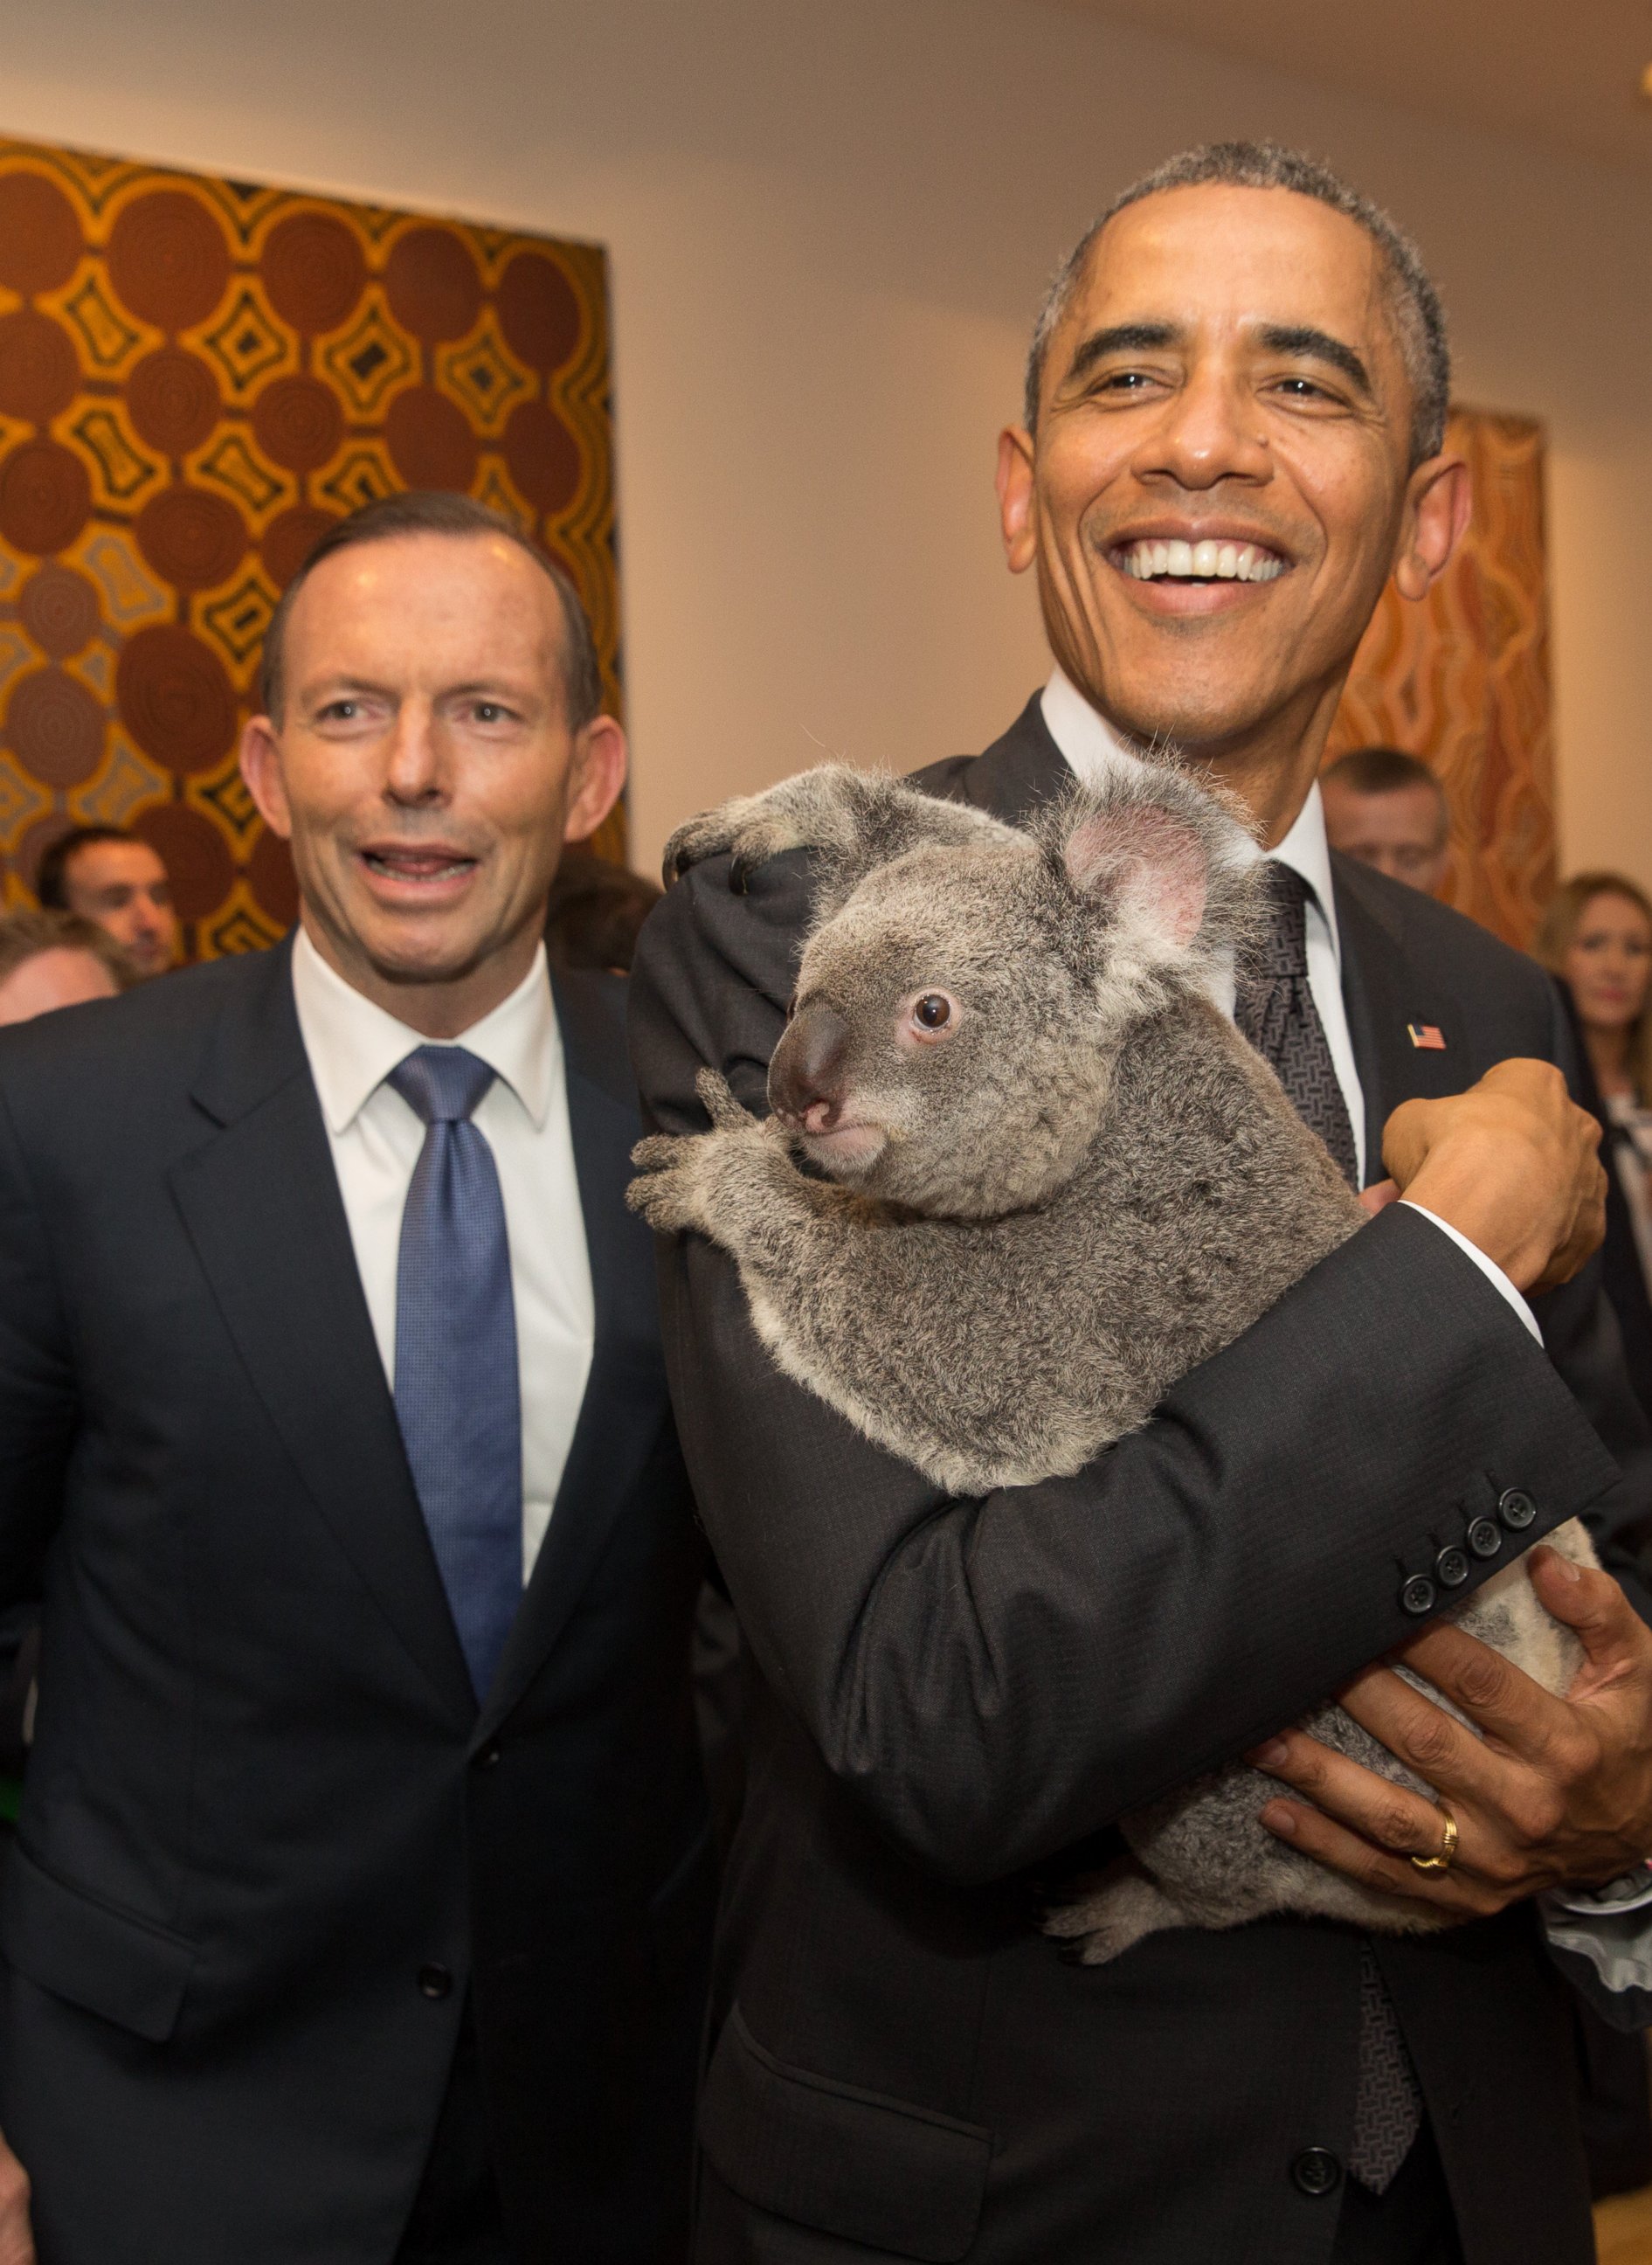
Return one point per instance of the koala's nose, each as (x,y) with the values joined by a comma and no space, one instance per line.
(805,1075)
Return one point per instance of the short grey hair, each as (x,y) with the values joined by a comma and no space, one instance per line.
(1414,304)
(432,510)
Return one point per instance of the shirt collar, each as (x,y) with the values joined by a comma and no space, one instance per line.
(353,1045)
(1092,749)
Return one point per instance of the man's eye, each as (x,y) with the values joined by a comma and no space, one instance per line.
(1126,381)
(490,711)
(1302,388)
(341,711)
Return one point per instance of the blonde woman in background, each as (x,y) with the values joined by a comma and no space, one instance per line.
(1596,936)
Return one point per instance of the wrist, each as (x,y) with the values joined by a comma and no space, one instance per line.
(1459,1191)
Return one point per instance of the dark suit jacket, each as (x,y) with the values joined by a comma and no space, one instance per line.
(954,1699)
(267,1844)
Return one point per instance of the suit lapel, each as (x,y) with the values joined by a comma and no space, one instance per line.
(1019,772)
(261,1204)
(625,1403)
(1388,995)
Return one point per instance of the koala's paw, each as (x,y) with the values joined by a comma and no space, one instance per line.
(683,1174)
(752,826)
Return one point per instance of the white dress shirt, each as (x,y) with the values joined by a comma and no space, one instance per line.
(1092,748)
(376,1137)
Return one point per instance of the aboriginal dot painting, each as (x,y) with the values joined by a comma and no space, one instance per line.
(1462,680)
(197,378)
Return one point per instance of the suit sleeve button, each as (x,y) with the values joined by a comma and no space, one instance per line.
(1517,1509)
(1484,1539)
(1451,1568)
(435,1981)
(1316,2171)
(1417,1596)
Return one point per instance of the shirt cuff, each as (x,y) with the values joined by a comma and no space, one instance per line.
(1603,1945)
(1489,1267)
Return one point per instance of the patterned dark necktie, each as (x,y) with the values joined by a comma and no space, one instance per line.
(1275,1010)
(457,1397)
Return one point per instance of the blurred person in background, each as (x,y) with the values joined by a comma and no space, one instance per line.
(1386,809)
(1596,937)
(51,959)
(110,876)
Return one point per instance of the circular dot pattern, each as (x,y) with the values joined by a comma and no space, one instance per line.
(298,423)
(45,497)
(58,610)
(39,371)
(173,401)
(195,854)
(271,878)
(538,312)
(40,242)
(168,260)
(55,726)
(431,440)
(290,537)
(431,284)
(190,537)
(542,455)
(313,271)
(176,699)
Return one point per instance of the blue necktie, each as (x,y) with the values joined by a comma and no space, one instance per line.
(457,1397)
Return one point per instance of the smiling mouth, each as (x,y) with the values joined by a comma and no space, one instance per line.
(417,865)
(1150,560)
(846,1144)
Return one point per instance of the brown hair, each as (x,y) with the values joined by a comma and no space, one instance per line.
(434,511)
(24,935)
(51,879)
(1386,770)
(1556,932)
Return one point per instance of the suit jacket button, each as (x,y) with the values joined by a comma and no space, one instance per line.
(1417,1597)
(1316,2171)
(489,1757)
(434,1980)
(1484,1539)
(1451,1568)
(1517,1509)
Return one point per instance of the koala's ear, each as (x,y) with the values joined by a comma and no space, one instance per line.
(1153,863)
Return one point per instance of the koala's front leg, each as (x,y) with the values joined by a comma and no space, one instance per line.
(737,1184)
(855,820)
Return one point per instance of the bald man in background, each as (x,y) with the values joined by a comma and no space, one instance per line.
(1386,809)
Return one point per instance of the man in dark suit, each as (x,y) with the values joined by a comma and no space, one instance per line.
(1234,436)
(361,1900)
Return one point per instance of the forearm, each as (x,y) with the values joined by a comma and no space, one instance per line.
(999,1679)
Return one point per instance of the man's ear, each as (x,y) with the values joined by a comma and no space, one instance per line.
(1017,508)
(261,769)
(597,776)
(1149,865)
(1439,499)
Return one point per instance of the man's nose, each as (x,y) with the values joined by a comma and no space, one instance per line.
(805,1075)
(1210,430)
(413,768)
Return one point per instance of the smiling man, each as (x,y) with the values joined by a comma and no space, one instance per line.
(361,1891)
(1233,438)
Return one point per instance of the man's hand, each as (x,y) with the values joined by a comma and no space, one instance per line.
(16,2237)
(1558,1790)
(1512,1165)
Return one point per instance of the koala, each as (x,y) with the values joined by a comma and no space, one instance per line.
(1020,1174)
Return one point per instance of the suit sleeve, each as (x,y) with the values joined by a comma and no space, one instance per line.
(37,1393)
(1580,1330)
(995,1679)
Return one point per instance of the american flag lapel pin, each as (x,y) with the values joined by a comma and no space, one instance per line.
(1427,1035)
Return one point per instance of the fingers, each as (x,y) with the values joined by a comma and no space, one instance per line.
(1613,1634)
(1380,1197)
(1500,1699)
(17,2241)
(720,1104)
(1386,1871)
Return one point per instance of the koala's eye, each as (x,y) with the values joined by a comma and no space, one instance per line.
(933,1011)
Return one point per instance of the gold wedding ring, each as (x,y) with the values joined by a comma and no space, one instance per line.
(1448,1845)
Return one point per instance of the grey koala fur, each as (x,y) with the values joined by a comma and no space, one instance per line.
(1011,1239)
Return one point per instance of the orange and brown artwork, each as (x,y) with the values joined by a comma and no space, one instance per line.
(197,378)
(1462,680)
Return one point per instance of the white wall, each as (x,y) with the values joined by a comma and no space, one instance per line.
(829,224)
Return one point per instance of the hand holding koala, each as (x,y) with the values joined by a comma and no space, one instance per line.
(1022,1175)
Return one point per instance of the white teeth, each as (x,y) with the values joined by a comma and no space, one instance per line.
(1205,562)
